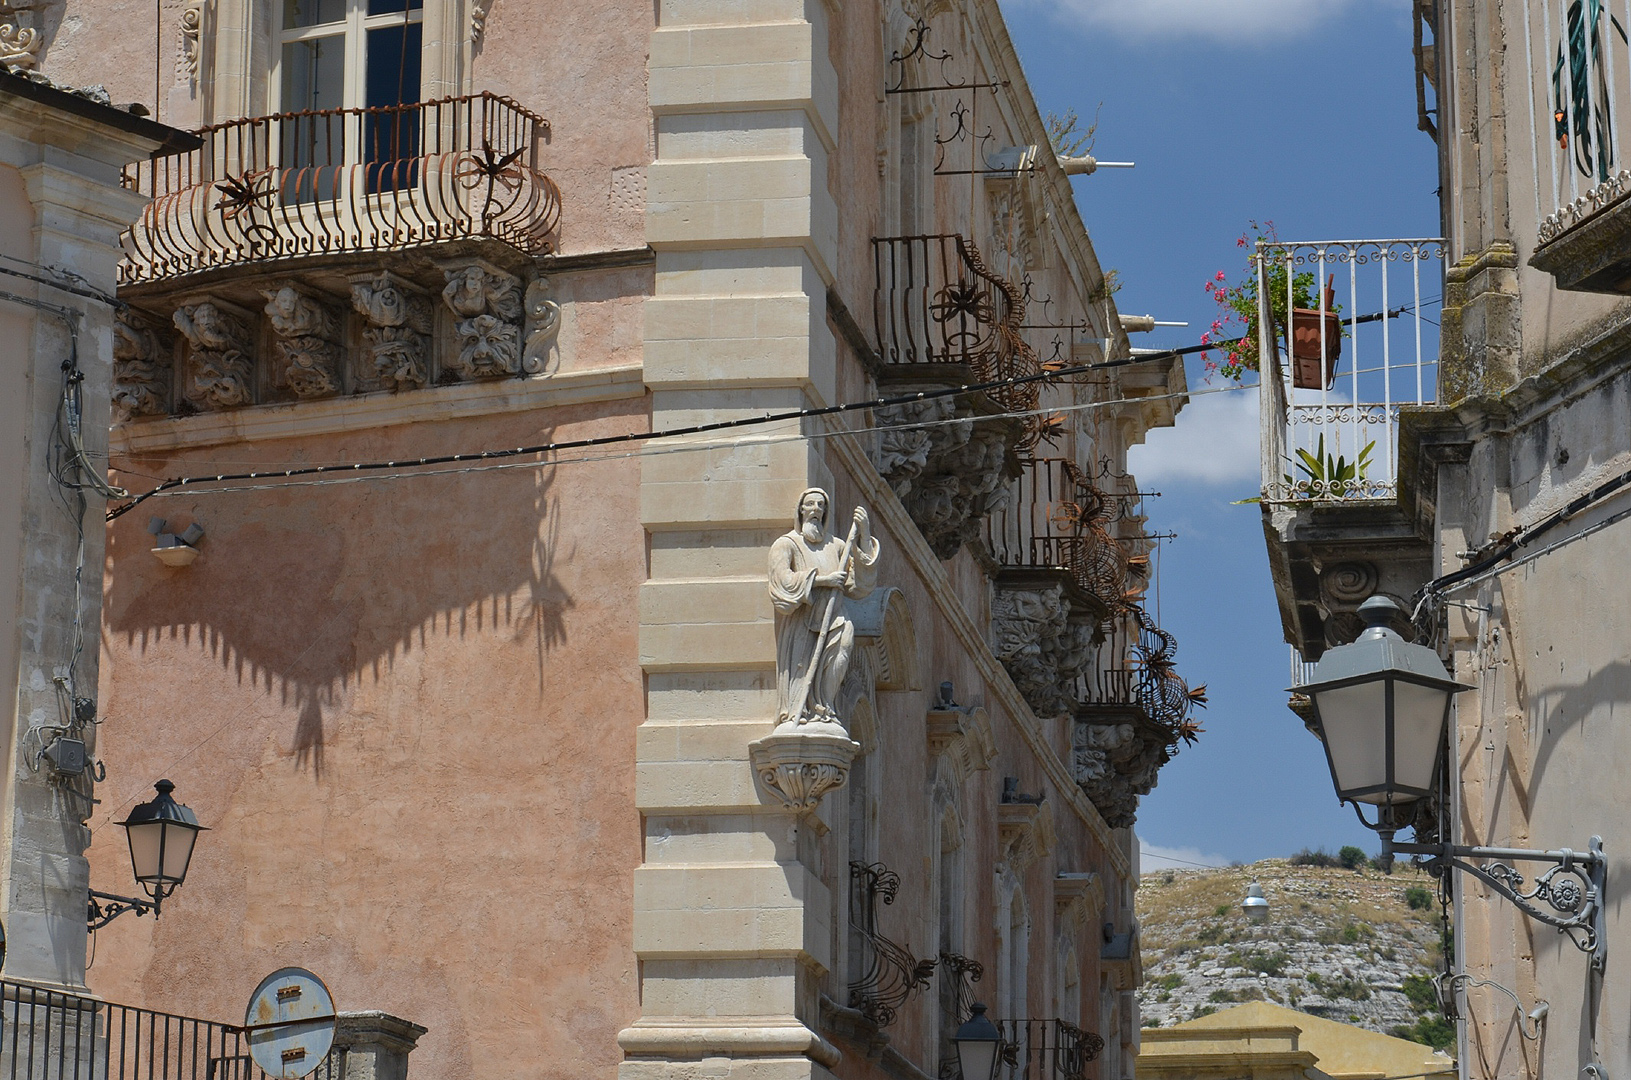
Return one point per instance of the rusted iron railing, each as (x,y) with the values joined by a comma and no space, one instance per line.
(1055,518)
(1046,1050)
(936,303)
(1135,668)
(344,180)
(49,1035)
(890,973)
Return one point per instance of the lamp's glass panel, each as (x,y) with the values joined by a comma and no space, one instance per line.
(144,849)
(977,1057)
(178,852)
(1418,728)
(1353,719)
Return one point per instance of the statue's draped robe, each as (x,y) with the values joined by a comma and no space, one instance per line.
(800,607)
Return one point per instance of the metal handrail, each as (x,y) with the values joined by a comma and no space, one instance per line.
(1054,519)
(335,181)
(53,1035)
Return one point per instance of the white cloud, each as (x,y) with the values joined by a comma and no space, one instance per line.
(1215,441)
(1155,857)
(1227,19)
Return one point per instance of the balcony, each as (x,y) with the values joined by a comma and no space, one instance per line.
(1052,529)
(1359,356)
(942,319)
(1133,711)
(316,255)
(1577,96)
(1046,1050)
(344,182)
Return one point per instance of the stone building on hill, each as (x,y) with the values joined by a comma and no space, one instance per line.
(531,749)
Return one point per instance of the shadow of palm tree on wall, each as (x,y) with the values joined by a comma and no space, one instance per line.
(306,592)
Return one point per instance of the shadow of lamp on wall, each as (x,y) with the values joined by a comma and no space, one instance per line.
(1381,706)
(161,834)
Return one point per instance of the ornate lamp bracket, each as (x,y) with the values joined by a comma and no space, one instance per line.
(1573,888)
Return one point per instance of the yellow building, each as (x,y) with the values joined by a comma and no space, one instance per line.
(1262,1041)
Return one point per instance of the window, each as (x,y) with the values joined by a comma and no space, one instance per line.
(359,56)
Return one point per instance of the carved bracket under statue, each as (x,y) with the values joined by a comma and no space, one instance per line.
(814,580)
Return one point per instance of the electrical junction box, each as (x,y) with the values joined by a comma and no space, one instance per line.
(67,756)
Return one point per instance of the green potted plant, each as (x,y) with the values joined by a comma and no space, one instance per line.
(1328,475)
(1234,331)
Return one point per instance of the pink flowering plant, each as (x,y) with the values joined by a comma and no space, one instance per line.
(1234,329)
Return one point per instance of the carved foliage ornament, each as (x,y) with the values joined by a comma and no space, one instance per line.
(220,371)
(192,26)
(308,340)
(19,47)
(538,355)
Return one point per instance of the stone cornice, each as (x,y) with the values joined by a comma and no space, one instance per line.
(256,423)
(915,550)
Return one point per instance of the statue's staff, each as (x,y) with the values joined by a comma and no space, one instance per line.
(826,624)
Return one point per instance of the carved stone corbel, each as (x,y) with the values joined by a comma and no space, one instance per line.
(1043,649)
(538,355)
(141,369)
(962,736)
(1024,834)
(1078,899)
(397,340)
(1115,763)
(308,340)
(799,765)
(486,305)
(220,360)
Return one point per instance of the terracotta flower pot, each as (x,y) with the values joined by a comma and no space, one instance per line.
(1310,370)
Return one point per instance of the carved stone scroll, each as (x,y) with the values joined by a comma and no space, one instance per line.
(19,47)
(538,355)
(141,369)
(486,304)
(220,362)
(308,340)
(397,339)
(192,26)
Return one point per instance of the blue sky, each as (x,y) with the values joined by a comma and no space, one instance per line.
(1297,111)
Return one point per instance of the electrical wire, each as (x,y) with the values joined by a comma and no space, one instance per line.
(649,436)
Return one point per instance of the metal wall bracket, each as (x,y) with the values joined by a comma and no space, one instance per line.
(1573,888)
(105,907)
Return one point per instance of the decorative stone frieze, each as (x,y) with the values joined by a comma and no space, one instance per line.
(308,340)
(397,339)
(220,356)
(486,305)
(1043,649)
(538,356)
(141,368)
(1115,763)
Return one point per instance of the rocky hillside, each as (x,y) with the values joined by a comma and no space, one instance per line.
(1357,946)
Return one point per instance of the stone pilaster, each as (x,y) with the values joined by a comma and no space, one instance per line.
(732,923)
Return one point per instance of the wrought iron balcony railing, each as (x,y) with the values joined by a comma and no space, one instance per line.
(890,973)
(1360,349)
(1054,519)
(344,181)
(1046,1050)
(1134,668)
(936,303)
(48,1035)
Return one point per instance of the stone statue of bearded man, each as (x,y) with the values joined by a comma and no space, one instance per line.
(810,581)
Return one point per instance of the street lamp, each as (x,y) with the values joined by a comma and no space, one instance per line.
(161,834)
(1255,905)
(978,1044)
(1381,706)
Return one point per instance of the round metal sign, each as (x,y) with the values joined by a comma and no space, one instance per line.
(289,1024)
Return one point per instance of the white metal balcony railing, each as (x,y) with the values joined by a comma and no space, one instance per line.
(1360,346)
(1579,115)
(1302,671)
